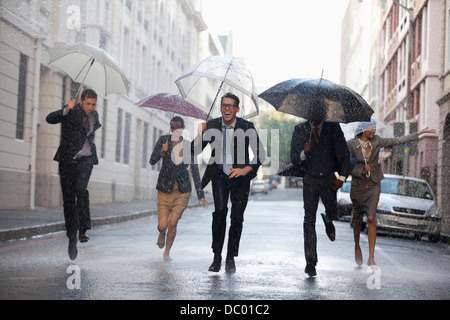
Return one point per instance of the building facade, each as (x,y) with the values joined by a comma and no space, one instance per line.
(153,41)
(443,177)
(409,83)
(404,79)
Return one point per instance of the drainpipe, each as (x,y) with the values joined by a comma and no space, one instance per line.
(35,117)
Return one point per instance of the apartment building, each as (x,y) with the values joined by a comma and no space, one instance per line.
(443,187)
(408,82)
(411,37)
(154,41)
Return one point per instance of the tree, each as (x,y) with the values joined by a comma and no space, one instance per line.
(285,124)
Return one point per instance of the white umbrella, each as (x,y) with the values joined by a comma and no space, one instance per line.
(90,66)
(201,84)
(351,129)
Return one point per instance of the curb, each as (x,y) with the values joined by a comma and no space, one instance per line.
(29,232)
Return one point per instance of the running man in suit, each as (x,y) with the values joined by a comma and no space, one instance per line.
(321,149)
(77,155)
(230,170)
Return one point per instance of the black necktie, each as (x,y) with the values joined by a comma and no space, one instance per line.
(316,133)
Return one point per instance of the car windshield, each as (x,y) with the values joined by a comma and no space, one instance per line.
(406,187)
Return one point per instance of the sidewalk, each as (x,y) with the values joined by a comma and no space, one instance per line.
(26,223)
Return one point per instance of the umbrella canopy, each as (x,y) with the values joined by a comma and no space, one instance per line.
(350,130)
(201,84)
(90,66)
(305,97)
(172,103)
(292,170)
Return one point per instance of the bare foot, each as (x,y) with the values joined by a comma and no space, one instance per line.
(166,257)
(371,262)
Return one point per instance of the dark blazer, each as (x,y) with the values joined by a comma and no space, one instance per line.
(170,172)
(215,167)
(327,156)
(73,133)
(376,174)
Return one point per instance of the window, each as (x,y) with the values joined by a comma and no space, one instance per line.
(126,139)
(416,47)
(144,147)
(155,139)
(119,134)
(21,96)
(126,45)
(144,69)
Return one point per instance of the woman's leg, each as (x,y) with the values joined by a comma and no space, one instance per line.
(162,227)
(171,233)
(372,235)
(357,223)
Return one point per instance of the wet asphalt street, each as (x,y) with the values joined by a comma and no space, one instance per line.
(122,261)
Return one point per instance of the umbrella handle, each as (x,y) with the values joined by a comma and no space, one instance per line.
(82,83)
(220,88)
(215,98)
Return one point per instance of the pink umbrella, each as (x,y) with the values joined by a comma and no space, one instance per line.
(173,103)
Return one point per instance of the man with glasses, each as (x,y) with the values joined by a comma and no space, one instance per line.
(230,170)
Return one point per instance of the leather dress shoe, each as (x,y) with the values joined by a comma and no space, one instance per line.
(310,269)
(329,227)
(83,237)
(215,266)
(230,266)
(73,251)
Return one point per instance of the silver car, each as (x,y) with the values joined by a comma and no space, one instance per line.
(259,186)
(344,203)
(406,205)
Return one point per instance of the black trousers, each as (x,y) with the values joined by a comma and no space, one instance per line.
(74,177)
(224,187)
(313,189)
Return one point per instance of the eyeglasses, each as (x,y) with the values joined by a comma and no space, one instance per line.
(227,106)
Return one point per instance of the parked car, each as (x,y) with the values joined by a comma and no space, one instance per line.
(344,204)
(268,184)
(259,186)
(406,205)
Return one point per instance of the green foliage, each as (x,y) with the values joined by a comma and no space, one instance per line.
(285,124)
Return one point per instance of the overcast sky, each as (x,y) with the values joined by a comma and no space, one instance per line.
(281,39)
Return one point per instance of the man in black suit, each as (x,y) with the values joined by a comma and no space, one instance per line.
(76,155)
(230,170)
(321,149)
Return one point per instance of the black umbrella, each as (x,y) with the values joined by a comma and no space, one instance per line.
(305,97)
